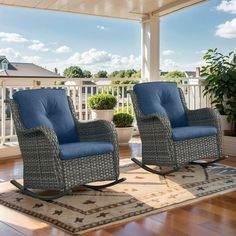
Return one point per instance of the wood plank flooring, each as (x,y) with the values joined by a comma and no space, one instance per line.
(214,216)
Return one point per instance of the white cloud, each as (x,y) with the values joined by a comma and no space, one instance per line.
(12,37)
(35,41)
(10,54)
(15,56)
(101,27)
(201,52)
(171,65)
(168,52)
(31,59)
(38,46)
(227,6)
(95,60)
(227,30)
(63,49)
(90,57)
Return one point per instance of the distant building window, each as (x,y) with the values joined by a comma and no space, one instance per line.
(5,66)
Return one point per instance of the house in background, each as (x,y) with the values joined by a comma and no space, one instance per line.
(24,70)
(192,77)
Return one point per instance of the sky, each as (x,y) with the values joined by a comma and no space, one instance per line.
(55,39)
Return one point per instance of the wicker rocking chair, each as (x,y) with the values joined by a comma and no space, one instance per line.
(59,152)
(171,134)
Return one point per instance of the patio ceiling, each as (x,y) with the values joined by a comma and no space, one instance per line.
(125,9)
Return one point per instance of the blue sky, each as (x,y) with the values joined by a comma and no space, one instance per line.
(54,39)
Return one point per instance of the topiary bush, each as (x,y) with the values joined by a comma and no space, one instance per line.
(123,120)
(102,102)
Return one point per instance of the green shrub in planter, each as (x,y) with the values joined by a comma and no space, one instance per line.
(123,120)
(102,102)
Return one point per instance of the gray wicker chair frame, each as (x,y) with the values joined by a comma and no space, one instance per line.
(43,168)
(158,147)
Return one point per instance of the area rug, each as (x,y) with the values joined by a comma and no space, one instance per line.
(141,194)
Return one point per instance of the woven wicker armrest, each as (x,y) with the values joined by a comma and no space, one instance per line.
(99,130)
(204,116)
(160,117)
(42,132)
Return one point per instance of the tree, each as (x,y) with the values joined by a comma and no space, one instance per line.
(73,72)
(130,73)
(137,74)
(121,74)
(114,74)
(87,74)
(101,74)
(175,74)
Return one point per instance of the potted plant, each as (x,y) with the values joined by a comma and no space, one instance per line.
(220,85)
(102,106)
(124,128)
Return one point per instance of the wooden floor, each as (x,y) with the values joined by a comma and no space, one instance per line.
(214,216)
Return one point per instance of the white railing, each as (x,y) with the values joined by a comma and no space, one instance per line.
(80,90)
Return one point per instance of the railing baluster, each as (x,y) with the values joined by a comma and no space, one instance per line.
(123,97)
(86,103)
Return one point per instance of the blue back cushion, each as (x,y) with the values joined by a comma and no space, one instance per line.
(161,97)
(47,107)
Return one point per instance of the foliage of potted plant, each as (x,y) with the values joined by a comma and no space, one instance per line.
(220,83)
(124,128)
(102,106)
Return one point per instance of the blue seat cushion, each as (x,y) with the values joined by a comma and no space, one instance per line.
(50,108)
(190,132)
(161,97)
(82,149)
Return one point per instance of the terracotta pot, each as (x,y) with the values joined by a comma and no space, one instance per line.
(124,134)
(102,115)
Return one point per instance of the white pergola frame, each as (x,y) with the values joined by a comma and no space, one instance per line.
(150,23)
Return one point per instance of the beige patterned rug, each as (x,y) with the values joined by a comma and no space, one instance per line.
(141,194)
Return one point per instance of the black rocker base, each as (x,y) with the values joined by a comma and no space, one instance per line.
(158,172)
(206,163)
(98,187)
(26,191)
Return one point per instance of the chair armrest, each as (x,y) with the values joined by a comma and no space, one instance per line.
(99,130)
(204,116)
(162,118)
(42,131)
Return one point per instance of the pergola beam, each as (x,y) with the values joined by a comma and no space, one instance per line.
(175,6)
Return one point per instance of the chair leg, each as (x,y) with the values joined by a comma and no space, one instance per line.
(98,187)
(158,172)
(206,163)
(26,191)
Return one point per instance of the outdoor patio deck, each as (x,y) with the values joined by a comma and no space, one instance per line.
(214,216)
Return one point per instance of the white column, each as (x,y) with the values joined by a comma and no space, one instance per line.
(150,49)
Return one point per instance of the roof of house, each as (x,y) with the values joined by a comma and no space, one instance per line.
(17,69)
(190,73)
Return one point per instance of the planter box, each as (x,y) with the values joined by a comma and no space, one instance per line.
(229,145)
